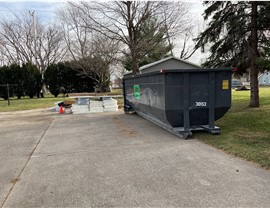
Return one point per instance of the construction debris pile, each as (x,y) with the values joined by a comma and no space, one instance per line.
(86,105)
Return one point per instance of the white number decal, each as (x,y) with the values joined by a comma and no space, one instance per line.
(200,103)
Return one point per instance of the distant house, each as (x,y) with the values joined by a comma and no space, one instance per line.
(167,63)
(264,79)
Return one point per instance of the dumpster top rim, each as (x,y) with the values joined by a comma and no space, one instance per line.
(164,71)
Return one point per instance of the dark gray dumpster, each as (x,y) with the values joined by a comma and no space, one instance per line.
(180,101)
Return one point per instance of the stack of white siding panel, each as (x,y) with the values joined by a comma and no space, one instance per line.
(95,106)
(79,108)
(83,101)
(85,105)
(109,105)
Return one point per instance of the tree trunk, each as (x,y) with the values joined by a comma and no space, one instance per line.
(133,44)
(135,63)
(254,89)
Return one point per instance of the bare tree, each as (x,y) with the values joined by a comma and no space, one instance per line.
(187,38)
(77,37)
(187,50)
(99,64)
(93,54)
(123,21)
(24,39)
(16,40)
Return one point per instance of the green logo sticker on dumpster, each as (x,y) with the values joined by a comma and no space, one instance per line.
(137,93)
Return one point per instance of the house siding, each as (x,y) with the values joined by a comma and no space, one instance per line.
(264,79)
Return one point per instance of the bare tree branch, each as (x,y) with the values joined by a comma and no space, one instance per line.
(21,45)
(123,21)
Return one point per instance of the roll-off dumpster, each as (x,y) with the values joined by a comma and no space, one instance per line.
(180,101)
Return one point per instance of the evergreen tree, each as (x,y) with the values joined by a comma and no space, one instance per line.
(157,38)
(72,81)
(20,77)
(53,78)
(4,79)
(33,80)
(62,78)
(264,60)
(238,34)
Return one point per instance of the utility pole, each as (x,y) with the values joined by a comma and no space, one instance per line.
(8,94)
(34,31)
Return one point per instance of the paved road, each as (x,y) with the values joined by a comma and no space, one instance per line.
(112,159)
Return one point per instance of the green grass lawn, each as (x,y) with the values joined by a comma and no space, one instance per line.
(29,104)
(36,103)
(245,132)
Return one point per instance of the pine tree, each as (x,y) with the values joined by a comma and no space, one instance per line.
(156,44)
(238,34)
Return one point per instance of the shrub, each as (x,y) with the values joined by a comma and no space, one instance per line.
(33,79)
(61,78)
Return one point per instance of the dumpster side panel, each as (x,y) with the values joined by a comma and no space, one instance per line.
(197,99)
(223,93)
(150,100)
(199,96)
(174,87)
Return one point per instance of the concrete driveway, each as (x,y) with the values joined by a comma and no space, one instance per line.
(113,159)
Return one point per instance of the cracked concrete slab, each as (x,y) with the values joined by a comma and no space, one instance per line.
(113,159)
(19,134)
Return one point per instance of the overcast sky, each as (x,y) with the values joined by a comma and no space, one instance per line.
(45,11)
(49,6)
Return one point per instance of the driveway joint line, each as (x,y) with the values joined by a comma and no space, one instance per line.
(16,180)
